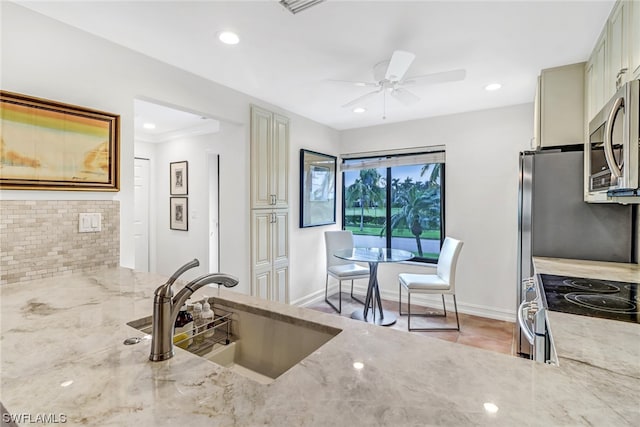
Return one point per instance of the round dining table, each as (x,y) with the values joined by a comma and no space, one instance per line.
(374,256)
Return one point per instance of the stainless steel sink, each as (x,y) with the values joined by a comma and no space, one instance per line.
(256,343)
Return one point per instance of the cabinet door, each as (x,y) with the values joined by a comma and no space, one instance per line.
(280,158)
(280,285)
(634,38)
(280,236)
(597,78)
(261,135)
(562,105)
(617,54)
(262,244)
(261,286)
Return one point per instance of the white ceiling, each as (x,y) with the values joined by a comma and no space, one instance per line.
(287,59)
(168,123)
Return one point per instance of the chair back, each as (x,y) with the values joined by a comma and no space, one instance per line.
(335,241)
(448,259)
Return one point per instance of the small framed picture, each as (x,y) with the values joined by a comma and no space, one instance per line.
(179,213)
(179,174)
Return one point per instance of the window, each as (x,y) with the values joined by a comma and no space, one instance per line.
(395,201)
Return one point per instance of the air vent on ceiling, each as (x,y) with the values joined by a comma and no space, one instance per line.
(295,6)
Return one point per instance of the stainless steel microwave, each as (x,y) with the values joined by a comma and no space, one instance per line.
(614,145)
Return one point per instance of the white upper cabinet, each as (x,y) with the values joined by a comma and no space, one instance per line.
(617,49)
(633,10)
(615,59)
(595,78)
(559,107)
(269,159)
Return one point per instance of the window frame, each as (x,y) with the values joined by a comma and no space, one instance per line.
(388,194)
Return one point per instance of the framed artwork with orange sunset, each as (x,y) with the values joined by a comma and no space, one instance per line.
(48,145)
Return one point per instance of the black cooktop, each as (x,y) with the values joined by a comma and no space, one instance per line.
(592,297)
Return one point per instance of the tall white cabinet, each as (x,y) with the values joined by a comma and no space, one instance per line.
(269,205)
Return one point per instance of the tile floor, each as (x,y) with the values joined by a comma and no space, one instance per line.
(489,334)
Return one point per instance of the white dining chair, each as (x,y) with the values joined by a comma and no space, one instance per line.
(339,268)
(443,282)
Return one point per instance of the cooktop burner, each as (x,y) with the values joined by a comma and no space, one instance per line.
(591,285)
(590,297)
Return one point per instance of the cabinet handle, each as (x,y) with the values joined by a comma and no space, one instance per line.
(273,218)
(619,78)
(273,199)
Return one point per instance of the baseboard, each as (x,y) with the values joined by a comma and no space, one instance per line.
(432,301)
(310,299)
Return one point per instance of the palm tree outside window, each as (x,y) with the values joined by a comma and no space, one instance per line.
(400,206)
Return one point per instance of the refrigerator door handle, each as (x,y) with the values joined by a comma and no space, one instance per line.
(528,333)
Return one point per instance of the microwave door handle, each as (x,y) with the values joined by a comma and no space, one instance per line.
(608,139)
(528,333)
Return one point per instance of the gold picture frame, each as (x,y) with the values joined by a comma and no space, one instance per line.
(48,145)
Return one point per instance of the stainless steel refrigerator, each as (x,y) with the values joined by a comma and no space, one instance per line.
(554,221)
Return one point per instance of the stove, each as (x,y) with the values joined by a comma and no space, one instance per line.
(592,297)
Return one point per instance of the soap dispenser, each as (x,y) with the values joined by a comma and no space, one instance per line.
(198,322)
(207,317)
(184,324)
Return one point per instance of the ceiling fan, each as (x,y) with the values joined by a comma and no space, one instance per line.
(390,78)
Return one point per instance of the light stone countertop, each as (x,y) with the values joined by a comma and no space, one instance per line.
(607,344)
(71,329)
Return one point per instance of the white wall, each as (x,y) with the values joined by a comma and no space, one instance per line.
(194,243)
(481,185)
(47,59)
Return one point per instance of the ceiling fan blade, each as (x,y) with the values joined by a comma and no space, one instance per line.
(361,98)
(442,77)
(404,96)
(353,83)
(399,64)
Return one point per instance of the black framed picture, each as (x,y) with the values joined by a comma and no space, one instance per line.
(179,209)
(317,189)
(179,175)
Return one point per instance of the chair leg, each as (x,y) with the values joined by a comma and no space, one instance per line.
(352,296)
(457,328)
(455,306)
(326,298)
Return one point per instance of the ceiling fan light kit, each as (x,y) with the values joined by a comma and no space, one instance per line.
(296,6)
(390,77)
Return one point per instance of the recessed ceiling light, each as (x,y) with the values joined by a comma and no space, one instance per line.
(493,86)
(359,110)
(228,37)
(358,365)
(149,126)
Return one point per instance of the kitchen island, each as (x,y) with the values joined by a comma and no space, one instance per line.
(62,353)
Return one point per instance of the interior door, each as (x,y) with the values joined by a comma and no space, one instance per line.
(141,213)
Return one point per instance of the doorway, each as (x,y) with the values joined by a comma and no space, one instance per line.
(165,135)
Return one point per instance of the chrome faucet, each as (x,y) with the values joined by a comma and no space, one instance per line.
(166,308)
